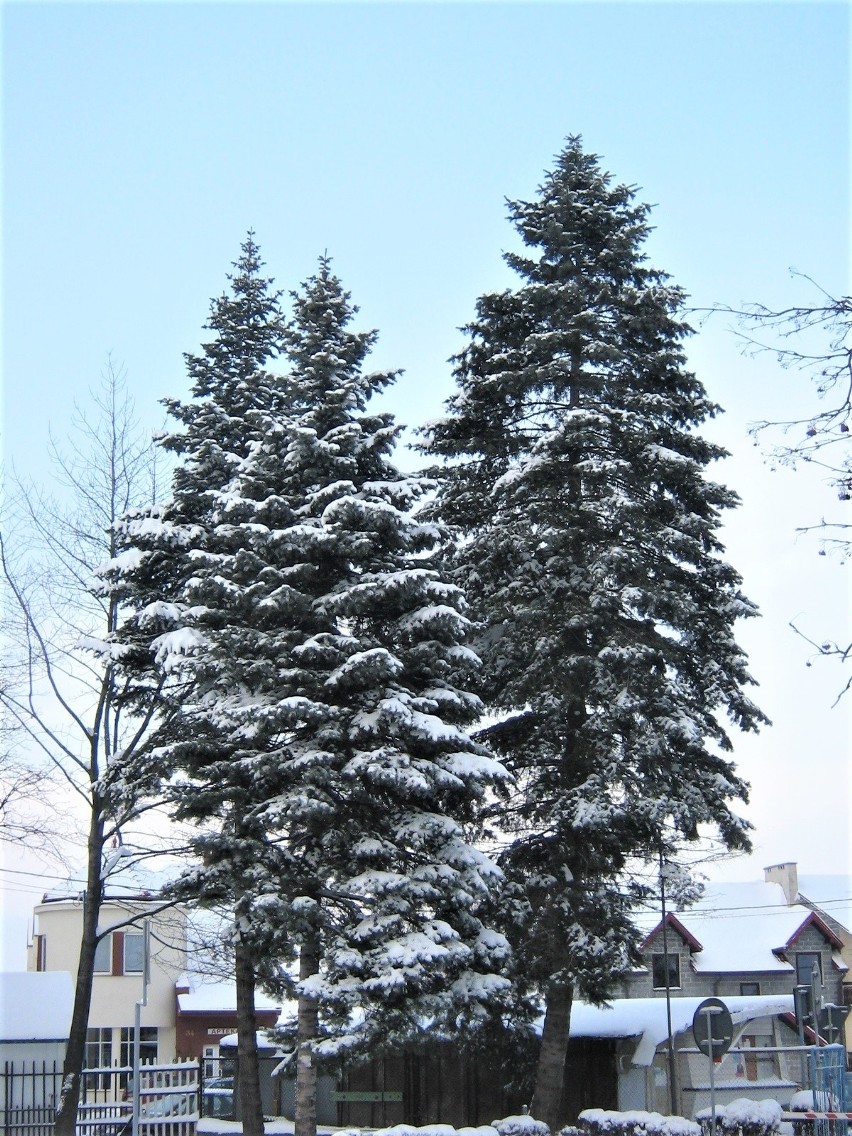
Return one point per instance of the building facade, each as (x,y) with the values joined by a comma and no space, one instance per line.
(118,980)
(185,1014)
(748,944)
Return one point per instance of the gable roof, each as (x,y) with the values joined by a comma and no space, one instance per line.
(832,897)
(673,922)
(815,920)
(742,927)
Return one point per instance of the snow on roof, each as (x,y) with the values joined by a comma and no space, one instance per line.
(739,926)
(261,1038)
(211,997)
(831,894)
(646,1019)
(51,991)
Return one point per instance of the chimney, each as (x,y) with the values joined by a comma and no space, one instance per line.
(787,875)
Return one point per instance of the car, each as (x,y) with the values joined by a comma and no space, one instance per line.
(218,1103)
(170,1104)
(219,1083)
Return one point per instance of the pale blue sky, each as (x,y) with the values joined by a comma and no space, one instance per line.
(142,140)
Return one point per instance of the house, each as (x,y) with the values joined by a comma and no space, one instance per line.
(750,945)
(184,1015)
(32,1047)
(131,895)
(738,939)
(831,897)
(206,1013)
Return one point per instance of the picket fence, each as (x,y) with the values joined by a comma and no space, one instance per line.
(168,1099)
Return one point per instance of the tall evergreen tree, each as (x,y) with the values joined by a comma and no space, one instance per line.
(167,576)
(326,719)
(588,546)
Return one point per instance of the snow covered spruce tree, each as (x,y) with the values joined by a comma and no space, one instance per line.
(166,577)
(325,661)
(588,546)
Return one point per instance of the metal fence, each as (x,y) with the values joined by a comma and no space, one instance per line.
(169,1099)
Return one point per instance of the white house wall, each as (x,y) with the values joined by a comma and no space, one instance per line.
(114,996)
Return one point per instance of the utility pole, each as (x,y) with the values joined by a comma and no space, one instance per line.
(670,1045)
(137,1021)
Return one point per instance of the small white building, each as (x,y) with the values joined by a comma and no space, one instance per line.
(35,1017)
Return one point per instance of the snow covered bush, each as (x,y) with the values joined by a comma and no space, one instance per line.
(804,1101)
(520,1126)
(809,1101)
(435,1130)
(743,1117)
(599,1122)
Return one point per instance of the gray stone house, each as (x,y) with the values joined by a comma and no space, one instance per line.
(748,944)
(739,940)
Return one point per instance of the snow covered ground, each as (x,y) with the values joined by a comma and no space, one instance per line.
(286,1128)
(599,1121)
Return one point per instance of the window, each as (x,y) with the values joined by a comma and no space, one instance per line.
(658,972)
(134,952)
(805,963)
(40,951)
(147,1049)
(103,955)
(749,988)
(99,1053)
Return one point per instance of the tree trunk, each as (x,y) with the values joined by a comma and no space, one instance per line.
(550,1074)
(65,1123)
(251,1105)
(308,1029)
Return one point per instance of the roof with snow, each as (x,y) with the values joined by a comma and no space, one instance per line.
(206,997)
(52,991)
(261,1039)
(740,927)
(645,1018)
(831,894)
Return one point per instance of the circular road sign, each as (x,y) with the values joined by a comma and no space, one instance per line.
(712,1027)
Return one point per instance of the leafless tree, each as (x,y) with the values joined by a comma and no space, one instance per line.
(23,788)
(815,339)
(59,689)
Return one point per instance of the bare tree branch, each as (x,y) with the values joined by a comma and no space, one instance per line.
(815,339)
(58,683)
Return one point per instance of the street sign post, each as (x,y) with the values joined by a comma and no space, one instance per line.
(713,1031)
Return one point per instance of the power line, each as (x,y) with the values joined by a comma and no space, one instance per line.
(42,875)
